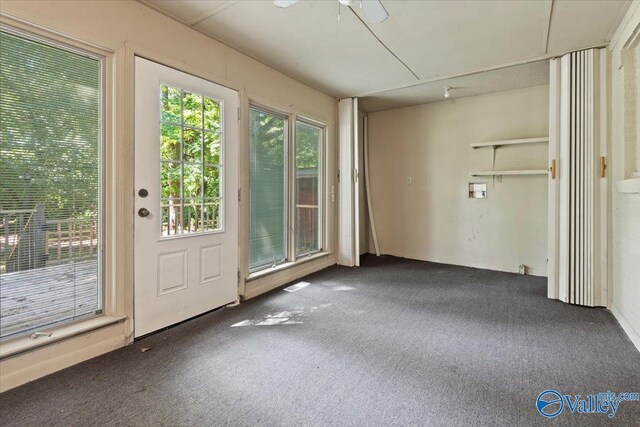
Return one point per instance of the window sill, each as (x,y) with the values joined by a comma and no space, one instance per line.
(286,265)
(628,186)
(21,345)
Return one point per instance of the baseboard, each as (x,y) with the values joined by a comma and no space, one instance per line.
(27,367)
(493,267)
(267,283)
(626,326)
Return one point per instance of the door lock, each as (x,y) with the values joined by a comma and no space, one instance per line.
(143,212)
(143,192)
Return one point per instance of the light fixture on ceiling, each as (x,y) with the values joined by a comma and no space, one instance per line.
(372,9)
(351,3)
(347,3)
(447,94)
(284,3)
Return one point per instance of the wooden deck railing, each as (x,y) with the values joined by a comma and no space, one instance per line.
(28,240)
(71,238)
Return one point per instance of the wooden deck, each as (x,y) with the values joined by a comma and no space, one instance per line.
(36,299)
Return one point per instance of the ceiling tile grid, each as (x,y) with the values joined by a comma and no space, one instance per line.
(433,40)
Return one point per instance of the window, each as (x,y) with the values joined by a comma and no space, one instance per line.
(190,162)
(50,143)
(273,188)
(308,190)
(268,188)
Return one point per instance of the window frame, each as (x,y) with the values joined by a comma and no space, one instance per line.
(106,309)
(287,185)
(321,176)
(290,189)
(630,56)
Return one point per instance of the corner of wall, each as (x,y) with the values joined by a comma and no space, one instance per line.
(634,335)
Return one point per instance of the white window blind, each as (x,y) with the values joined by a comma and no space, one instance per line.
(268,189)
(50,132)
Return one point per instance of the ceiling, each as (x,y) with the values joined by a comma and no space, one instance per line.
(417,51)
(509,78)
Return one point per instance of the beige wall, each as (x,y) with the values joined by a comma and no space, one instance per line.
(122,27)
(432,218)
(625,239)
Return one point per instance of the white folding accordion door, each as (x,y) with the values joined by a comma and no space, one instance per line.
(348,191)
(578,185)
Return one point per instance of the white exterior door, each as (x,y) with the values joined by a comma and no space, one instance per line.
(186,210)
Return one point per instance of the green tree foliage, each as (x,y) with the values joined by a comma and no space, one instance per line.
(308,144)
(49,129)
(190,154)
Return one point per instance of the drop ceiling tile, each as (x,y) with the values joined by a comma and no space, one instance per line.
(306,41)
(517,77)
(579,24)
(187,11)
(438,38)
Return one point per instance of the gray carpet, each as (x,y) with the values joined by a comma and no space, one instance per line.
(395,342)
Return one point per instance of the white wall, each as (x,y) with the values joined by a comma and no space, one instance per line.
(432,218)
(119,28)
(625,239)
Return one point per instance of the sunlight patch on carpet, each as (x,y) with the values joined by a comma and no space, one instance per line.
(286,317)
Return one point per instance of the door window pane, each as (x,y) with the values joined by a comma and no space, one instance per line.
(211,115)
(212,182)
(192,109)
(308,182)
(267,205)
(171,146)
(50,135)
(212,148)
(190,162)
(171,104)
(192,145)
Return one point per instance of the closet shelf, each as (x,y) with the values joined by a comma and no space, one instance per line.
(511,172)
(510,142)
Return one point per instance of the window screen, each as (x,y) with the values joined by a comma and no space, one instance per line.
(50,135)
(308,181)
(267,216)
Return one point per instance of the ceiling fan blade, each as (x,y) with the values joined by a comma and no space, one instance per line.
(285,3)
(374,11)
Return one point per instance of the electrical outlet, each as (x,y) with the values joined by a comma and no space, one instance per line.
(409,180)
(477,190)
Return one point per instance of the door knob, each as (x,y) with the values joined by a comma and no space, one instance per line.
(143,212)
